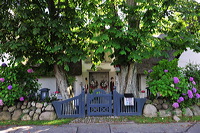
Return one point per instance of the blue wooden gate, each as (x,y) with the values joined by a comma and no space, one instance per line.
(99,103)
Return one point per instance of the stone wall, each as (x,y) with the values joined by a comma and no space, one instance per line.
(162,108)
(28,111)
(45,111)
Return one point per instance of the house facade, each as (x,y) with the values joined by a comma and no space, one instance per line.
(101,78)
(94,79)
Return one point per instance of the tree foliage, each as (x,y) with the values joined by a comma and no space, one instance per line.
(60,31)
(127,29)
(50,31)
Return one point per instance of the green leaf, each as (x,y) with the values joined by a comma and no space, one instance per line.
(122,52)
(66,67)
(100,50)
(74,59)
(104,37)
(36,31)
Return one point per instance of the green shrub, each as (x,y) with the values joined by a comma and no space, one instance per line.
(167,80)
(193,70)
(18,83)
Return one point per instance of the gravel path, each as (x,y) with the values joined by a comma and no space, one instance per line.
(109,119)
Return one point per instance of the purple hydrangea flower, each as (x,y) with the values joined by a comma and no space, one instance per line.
(2,79)
(181,99)
(30,70)
(21,99)
(194,90)
(175,105)
(1,102)
(9,87)
(197,95)
(191,79)
(193,82)
(190,94)
(166,71)
(176,80)
(4,65)
(149,71)
(176,87)
(183,94)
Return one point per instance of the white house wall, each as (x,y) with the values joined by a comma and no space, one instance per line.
(48,82)
(142,86)
(189,57)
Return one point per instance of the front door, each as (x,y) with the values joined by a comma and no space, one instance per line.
(99,80)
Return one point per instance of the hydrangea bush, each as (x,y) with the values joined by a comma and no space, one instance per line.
(17,83)
(167,79)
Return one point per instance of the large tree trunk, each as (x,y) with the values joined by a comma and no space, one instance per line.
(61,80)
(126,80)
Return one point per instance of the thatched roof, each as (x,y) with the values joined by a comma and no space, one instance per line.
(147,64)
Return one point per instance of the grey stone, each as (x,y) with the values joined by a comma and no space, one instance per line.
(31,113)
(196,110)
(43,108)
(11,109)
(38,111)
(148,101)
(176,118)
(19,104)
(45,104)
(164,113)
(17,114)
(155,101)
(23,106)
(26,111)
(5,108)
(49,108)
(188,112)
(178,112)
(158,106)
(25,103)
(160,101)
(165,106)
(36,117)
(149,110)
(33,108)
(5,116)
(29,105)
(39,105)
(26,117)
(164,100)
(33,104)
(48,116)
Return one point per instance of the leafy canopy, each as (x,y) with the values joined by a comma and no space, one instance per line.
(60,31)
(52,31)
(128,29)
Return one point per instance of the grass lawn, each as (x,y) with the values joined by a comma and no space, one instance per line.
(136,119)
(22,123)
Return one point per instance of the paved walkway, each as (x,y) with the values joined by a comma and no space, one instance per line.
(128,127)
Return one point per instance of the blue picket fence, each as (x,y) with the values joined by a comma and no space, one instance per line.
(70,108)
(99,103)
(120,109)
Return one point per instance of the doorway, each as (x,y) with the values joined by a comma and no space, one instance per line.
(99,80)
